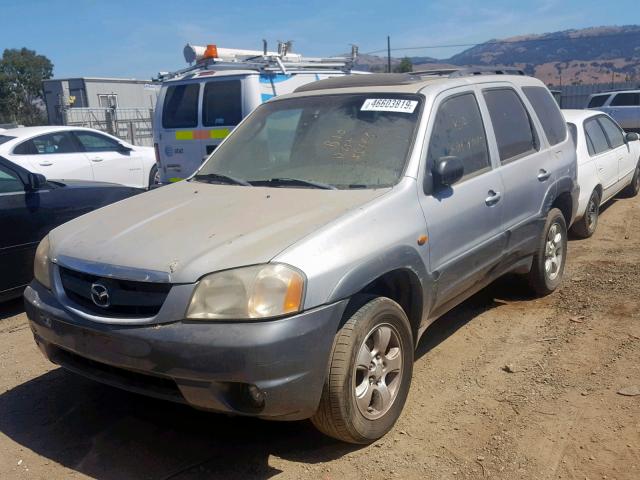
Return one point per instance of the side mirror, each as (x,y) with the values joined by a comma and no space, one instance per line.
(632,137)
(36,181)
(448,170)
(124,149)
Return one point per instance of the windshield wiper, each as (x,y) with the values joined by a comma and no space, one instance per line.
(220,178)
(294,181)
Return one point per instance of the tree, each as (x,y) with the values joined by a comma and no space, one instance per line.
(404,66)
(21,74)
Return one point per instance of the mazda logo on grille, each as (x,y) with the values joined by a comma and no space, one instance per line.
(100,295)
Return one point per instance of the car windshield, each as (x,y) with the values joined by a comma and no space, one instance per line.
(329,141)
(5,138)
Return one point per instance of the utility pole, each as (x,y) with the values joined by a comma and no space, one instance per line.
(388,54)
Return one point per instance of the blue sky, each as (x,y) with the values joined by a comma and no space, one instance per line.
(138,38)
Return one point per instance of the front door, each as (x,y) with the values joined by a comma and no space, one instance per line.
(464,221)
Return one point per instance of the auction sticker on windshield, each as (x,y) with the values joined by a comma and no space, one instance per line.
(389,105)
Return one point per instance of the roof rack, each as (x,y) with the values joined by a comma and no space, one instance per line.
(214,58)
(472,71)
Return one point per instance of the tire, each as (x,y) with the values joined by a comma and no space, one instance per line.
(586,226)
(388,376)
(154,177)
(634,187)
(544,281)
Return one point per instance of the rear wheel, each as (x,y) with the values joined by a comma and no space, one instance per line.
(548,262)
(586,226)
(634,187)
(369,374)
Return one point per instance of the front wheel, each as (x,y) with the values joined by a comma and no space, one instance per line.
(634,187)
(369,374)
(154,176)
(549,260)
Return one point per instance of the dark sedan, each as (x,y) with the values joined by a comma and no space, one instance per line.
(30,206)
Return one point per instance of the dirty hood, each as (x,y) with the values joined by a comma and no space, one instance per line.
(190,229)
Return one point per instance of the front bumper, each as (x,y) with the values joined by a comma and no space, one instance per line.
(210,366)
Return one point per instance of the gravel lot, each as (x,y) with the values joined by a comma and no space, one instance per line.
(504,387)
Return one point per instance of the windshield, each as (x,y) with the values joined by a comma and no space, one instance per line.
(341,141)
(5,138)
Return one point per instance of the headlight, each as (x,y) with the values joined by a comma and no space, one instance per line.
(260,291)
(41,264)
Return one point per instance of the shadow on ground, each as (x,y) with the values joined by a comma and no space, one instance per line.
(11,308)
(110,434)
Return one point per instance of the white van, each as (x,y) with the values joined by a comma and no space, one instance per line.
(200,105)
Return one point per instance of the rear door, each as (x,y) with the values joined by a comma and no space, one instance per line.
(55,155)
(620,148)
(526,165)
(465,220)
(222,110)
(109,162)
(605,159)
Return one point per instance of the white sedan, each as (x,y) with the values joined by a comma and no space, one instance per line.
(608,162)
(75,153)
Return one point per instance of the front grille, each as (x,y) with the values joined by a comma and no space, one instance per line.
(126,298)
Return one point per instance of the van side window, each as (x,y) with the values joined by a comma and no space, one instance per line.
(458,131)
(548,113)
(612,131)
(597,101)
(222,103)
(596,137)
(180,108)
(626,100)
(511,124)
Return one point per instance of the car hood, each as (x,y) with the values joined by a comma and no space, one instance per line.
(189,229)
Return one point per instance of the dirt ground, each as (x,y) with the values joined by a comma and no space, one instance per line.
(504,387)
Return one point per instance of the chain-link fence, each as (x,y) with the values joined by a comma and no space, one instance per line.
(134,125)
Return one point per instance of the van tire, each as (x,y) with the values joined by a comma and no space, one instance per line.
(586,226)
(339,415)
(544,281)
(634,187)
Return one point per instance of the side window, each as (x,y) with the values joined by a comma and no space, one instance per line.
(94,142)
(222,103)
(548,113)
(458,131)
(596,137)
(59,142)
(511,124)
(612,131)
(9,181)
(180,108)
(626,100)
(597,101)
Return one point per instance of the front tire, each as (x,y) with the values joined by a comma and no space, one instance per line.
(549,260)
(369,374)
(154,176)
(634,187)
(586,226)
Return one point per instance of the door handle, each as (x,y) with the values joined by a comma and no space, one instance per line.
(46,163)
(96,159)
(493,198)
(543,175)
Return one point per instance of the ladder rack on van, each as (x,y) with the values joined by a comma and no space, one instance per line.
(214,58)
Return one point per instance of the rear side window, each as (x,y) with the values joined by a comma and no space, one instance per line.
(222,103)
(548,113)
(511,124)
(596,139)
(626,100)
(458,131)
(597,101)
(52,143)
(612,131)
(94,142)
(180,108)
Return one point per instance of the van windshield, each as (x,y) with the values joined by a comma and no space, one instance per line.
(340,141)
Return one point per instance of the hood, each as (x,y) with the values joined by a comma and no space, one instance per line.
(190,229)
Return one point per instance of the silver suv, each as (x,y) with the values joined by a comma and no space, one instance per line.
(294,273)
(623,106)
